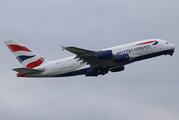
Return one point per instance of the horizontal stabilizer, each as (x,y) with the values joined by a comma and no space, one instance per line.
(26,70)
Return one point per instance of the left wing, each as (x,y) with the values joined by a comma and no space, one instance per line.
(88,56)
(77,51)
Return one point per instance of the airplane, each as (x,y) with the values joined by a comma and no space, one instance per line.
(87,62)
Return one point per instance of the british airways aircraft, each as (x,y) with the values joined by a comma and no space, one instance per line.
(87,62)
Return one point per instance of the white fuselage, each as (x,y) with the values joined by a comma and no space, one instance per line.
(137,51)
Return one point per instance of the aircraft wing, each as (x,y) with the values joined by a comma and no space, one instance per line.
(77,51)
(88,56)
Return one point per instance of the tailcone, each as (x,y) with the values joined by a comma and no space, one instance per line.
(20,75)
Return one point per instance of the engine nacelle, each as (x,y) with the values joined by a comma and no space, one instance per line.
(91,72)
(122,58)
(117,69)
(105,55)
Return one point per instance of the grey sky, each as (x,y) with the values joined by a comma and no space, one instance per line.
(145,90)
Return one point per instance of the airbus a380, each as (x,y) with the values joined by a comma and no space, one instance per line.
(87,62)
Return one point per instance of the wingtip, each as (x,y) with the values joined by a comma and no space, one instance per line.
(63,47)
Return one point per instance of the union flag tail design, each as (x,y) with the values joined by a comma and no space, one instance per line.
(26,57)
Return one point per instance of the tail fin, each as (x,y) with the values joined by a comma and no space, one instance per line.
(26,57)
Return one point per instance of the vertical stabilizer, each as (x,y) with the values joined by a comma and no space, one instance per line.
(26,57)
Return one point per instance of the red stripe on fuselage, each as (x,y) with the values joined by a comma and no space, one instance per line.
(147,42)
(15,48)
(36,63)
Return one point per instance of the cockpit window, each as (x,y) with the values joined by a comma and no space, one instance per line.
(167,42)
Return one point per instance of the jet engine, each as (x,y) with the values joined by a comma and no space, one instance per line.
(91,72)
(122,58)
(105,55)
(96,72)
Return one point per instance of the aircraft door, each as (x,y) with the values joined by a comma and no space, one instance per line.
(75,65)
(59,67)
(160,46)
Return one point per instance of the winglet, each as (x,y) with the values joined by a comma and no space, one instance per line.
(63,47)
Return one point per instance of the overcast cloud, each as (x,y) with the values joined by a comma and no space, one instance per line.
(146,90)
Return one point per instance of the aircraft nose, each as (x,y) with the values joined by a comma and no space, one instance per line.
(172,46)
